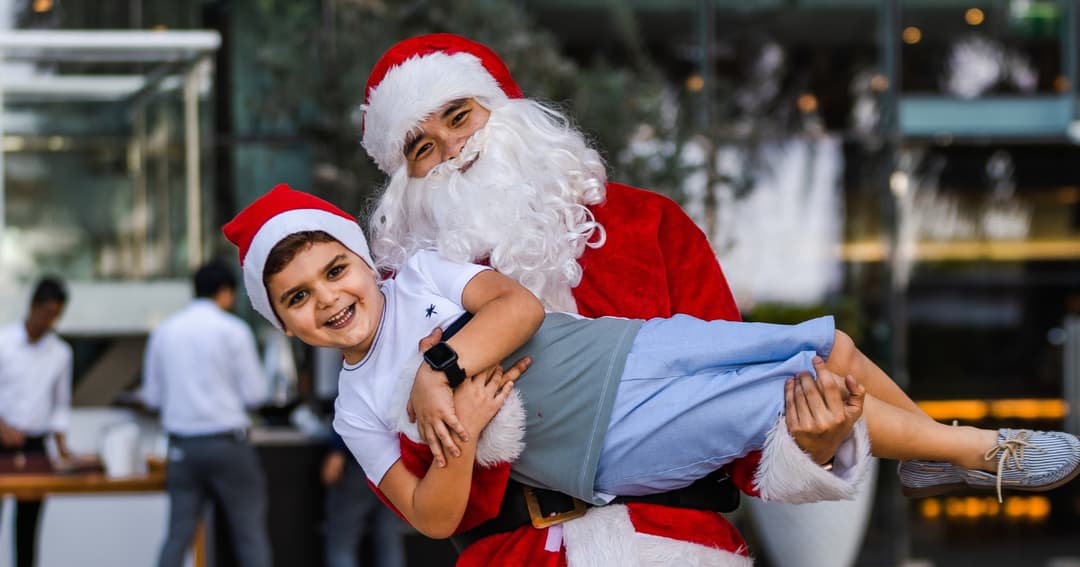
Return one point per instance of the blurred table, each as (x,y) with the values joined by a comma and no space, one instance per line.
(34,479)
(36,484)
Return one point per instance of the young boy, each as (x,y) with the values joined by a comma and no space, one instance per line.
(614,406)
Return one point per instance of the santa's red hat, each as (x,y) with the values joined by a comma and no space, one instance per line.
(281,212)
(416,77)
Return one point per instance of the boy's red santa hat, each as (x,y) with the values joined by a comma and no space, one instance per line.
(419,75)
(277,214)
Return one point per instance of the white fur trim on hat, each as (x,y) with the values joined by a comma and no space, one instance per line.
(501,441)
(787,474)
(346,231)
(412,91)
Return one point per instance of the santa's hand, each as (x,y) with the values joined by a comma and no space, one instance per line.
(480,396)
(816,413)
(431,404)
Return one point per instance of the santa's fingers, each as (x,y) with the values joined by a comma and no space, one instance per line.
(815,400)
(510,375)
(431,340)
(806,413)
(791,411)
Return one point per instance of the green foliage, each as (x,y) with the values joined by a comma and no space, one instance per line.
(302,66)
(846,310)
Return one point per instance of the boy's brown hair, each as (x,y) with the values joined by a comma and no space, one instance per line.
(287,248)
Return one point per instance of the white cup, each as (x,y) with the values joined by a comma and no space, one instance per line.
(120,451)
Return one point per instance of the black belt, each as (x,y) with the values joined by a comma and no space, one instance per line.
(524,505)
(235,434)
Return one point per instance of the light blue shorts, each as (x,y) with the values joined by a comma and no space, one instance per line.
(695,395)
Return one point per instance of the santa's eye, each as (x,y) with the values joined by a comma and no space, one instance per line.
(422,151)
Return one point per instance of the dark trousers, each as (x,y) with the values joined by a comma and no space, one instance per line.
(27,512)
(352,508)
(224,469)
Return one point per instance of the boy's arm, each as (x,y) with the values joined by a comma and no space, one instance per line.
(435,504)
(505,316)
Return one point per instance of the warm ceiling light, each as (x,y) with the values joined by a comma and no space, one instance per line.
(912,35)
(974,16)
(807,103)
(694,83)
(879,83)
(41,6)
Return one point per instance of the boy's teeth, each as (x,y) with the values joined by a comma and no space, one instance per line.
(341,315)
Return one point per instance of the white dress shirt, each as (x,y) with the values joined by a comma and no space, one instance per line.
(202,369)
(35,381)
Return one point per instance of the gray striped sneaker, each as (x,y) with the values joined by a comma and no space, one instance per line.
(1032,461)
(919,479)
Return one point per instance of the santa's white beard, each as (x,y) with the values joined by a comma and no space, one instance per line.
(520,203)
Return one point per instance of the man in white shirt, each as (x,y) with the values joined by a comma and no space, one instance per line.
(201,368)
(35,396)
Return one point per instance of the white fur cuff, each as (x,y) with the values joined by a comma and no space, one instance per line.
(787,474)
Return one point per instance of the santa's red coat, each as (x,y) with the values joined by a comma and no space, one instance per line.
(655,263)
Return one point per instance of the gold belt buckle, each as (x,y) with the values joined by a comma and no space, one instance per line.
(539,521)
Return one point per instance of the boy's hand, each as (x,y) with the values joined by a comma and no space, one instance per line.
(431,406)
(333,467)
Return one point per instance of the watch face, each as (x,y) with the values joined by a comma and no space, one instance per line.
(440,356)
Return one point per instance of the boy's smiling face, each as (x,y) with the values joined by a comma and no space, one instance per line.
(328,296)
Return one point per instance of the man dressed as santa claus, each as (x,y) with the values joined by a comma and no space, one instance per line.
(482,174)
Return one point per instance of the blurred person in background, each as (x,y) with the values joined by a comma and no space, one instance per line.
(35,398)
(352,508)
(202,370)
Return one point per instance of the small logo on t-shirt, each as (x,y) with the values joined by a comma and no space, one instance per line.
(430,311)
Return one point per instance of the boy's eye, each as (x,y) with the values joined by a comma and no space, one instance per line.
(297,297)
(335,271)
(459,118)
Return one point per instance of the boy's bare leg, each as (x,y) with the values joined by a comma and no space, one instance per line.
(899,434)
(847,359)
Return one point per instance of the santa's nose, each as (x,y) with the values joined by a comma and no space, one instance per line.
(453,147)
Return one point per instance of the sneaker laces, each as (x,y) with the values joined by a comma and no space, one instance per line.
(1011,448)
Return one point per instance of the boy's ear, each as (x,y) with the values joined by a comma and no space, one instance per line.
(289,333)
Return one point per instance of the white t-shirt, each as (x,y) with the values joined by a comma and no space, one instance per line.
(202,368)
(425,294)
(35,381)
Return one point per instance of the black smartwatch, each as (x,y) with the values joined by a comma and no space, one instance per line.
(443,358)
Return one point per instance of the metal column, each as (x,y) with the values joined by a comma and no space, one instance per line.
(1072,373)
(193,179)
